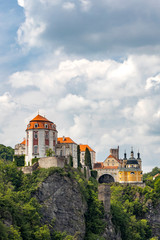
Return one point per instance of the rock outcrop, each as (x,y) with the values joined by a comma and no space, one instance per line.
(153,217)
(62,203)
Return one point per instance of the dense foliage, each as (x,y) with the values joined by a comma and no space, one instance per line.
(149,176)
(20,215)
(78,157)
(6,153)
(129,205)
(19,160)
(88,158)
(70,161)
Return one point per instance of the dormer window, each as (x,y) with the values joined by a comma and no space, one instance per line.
(46,125)
(36,125)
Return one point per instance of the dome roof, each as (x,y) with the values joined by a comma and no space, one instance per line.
(40,122)
(40,118)
(132,161)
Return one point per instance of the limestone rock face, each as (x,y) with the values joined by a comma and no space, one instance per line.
(110,233)
(153,216)
(62,203)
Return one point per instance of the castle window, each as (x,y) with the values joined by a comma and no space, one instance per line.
(35,135)
(61,153)
(36,125)
(35,149)
(46,135)
(132,173)
(46,125)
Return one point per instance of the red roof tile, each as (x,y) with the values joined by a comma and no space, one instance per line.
(65,140)
(83,148)
(23,142)
(41,123)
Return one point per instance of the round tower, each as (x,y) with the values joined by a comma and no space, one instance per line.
(41,134)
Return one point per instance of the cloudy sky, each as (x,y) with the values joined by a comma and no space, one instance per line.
(92,67)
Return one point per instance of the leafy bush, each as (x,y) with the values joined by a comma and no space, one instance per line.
(6,153)
(34,160)
(94,174)
(128,207)
(19,160)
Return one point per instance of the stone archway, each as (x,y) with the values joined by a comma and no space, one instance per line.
(106,178)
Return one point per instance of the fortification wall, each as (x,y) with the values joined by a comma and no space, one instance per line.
(48,162)
(104,195)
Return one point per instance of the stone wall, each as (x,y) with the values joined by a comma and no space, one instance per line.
(104,195)
(29,169)
(48,162)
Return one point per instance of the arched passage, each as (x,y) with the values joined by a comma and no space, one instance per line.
(106,178)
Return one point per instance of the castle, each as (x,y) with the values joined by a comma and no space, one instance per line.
(123,170)
(42,136)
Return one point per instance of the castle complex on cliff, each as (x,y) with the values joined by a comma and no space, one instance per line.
(42,135)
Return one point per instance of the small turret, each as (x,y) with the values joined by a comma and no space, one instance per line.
(125,155)
(138,155)
(132,153)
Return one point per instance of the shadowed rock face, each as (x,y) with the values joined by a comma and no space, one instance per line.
(62,202)
(153,217)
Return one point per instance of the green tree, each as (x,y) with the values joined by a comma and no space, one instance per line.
(70,160)
(78,157)
(19,160)
(88,158)
(49,152)
(6,153)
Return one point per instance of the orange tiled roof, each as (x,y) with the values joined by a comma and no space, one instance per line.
(40,118)
(110,167)
(41,123)
(99,165)
(23,142)
(156,175)
(65,140)
(111,156)
(83,148)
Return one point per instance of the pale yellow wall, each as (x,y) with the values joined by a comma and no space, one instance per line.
(128,177)
(111,162)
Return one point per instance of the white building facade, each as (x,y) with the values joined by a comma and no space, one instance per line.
(67,147)
(82,154)
(41,134)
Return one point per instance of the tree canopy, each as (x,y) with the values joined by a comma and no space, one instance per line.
(6,153)
(88,158)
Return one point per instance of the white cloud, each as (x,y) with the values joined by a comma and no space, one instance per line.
(21,3)
(95,27)
(101,103)
(153,82)
(68,5)
(73,102)
(29,32)
(86,4)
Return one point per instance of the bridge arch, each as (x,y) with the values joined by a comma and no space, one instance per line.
(106,178)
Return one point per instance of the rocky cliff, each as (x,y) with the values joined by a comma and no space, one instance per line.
(62,203)
(153,217)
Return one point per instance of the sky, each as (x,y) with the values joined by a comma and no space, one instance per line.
(92,67)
